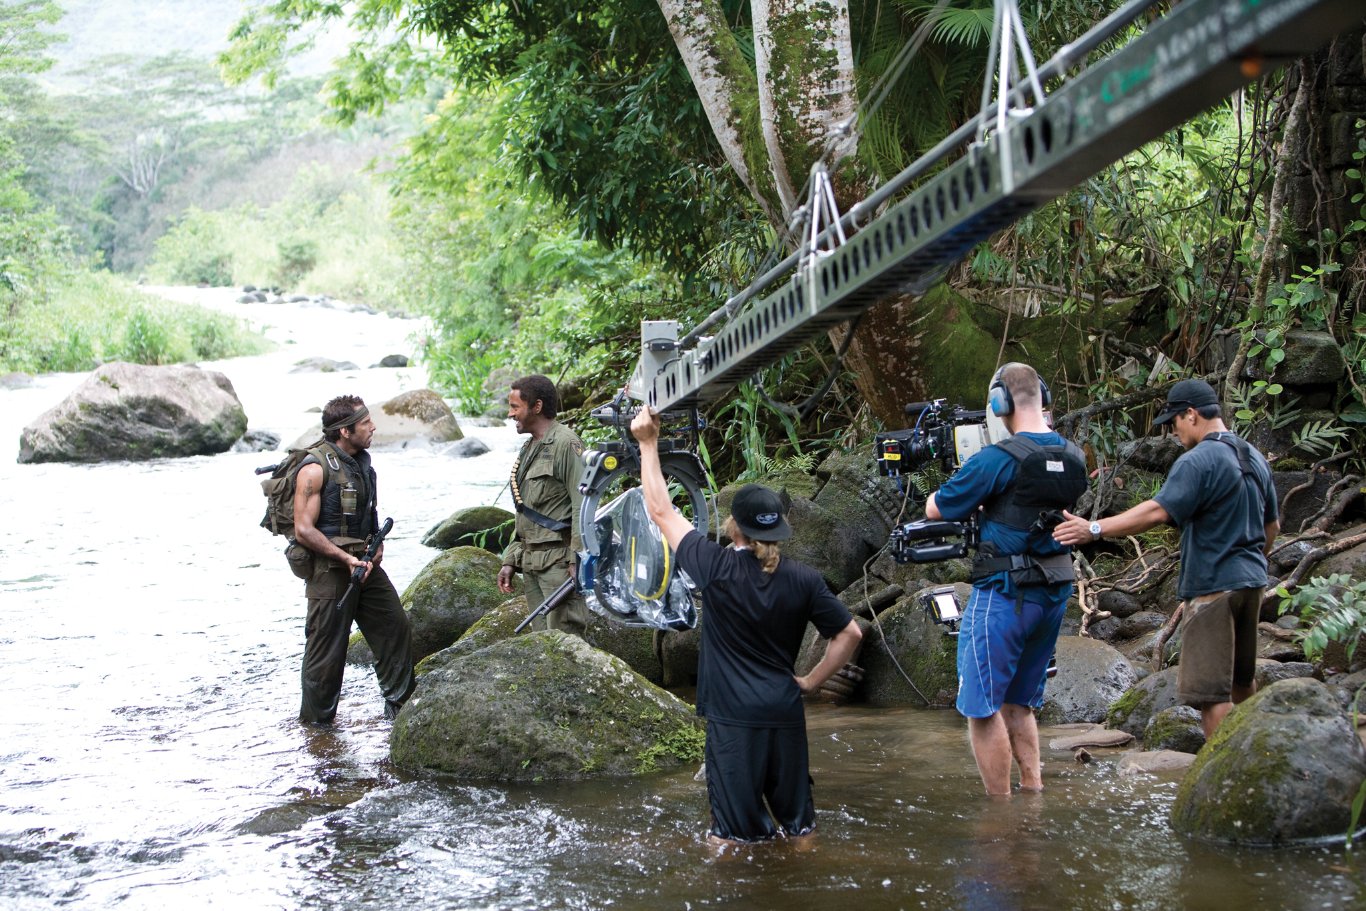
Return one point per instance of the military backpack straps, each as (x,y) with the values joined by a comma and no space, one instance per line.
(279,487)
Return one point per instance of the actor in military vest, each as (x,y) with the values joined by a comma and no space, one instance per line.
(545,490)
(335,512)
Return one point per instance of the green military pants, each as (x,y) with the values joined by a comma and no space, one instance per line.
(382,620)
(538,584)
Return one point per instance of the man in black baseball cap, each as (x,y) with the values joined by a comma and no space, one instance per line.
(1219,493)
(1186,394)
(756,605)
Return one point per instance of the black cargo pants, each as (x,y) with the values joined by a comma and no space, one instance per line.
(383,622)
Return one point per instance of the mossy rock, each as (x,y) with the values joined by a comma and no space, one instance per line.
(1091,676)
(449,595)
(1283,768)
(544,706)
(489,527)
(1176,728)
(922,648)
(1133,711)
(633,645)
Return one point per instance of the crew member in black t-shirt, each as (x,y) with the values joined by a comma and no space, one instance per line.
(756,605)
(1219,492)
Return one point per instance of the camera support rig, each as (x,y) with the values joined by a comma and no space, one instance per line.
(1022,150)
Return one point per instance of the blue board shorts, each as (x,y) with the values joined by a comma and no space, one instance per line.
(1003,655)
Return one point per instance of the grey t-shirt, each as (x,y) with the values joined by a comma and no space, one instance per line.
(1222,516)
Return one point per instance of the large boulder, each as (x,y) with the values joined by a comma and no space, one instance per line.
(542,706)
(910,644)
(1133,710)
(489,527)
(1091,676)
(130,411)
(1283,767)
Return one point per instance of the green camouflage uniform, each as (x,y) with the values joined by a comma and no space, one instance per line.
(546,477)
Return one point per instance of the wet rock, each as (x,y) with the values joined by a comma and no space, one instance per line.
(1093,736)
(870,599)
(467,448)
(322,365)
(1283,767)
(1154,453)
(904,636)
(489,527)
(634,645)
(393,360)
(1269,672)
(134,412)
(1311,359)
(678,653)
(15,380)
(1119,604)
(543,706)
(1175,728)
(257,441)
(1153,763)
(1106,630)
(1141,623)
(1133,710)
(1091,676)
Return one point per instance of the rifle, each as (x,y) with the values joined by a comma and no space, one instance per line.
(368,557)
(557,597)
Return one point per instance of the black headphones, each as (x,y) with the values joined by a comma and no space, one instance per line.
(999,399)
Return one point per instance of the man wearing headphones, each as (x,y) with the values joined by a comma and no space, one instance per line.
(1021,577)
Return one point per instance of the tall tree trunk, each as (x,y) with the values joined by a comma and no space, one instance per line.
(805,62)
(728,91)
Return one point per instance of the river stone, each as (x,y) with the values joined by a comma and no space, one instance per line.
(1311,359)
(679,651)
(321,364)
(1152,453)
(467,448)
(1153,763)
(821,540)
(1091,675)
(257,441)
(1283,767)
(1119,604)
(1094,736)
(634,645)
(393,360)
(1269,672)
(1141,623)
(1176,728)
(546,705)
(1136,707)
(135,412)
(489,527)
(905,636)
(15,380)
(420,416)
(1106,630)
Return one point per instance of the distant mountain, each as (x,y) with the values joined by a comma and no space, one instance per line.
(152,28)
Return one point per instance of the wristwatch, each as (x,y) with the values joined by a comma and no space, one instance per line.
(1095,531)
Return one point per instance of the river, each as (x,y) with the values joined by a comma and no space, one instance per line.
(150,637)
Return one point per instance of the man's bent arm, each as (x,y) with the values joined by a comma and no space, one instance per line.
(1076,530)
(1271,529)
(308,504)
(932,509)
(837,655)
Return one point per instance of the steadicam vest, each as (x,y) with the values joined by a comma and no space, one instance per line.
(1048,479)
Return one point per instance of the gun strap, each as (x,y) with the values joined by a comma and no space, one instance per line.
(539,518)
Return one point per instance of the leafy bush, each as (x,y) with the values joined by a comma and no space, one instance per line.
(1335,609)
(298,256)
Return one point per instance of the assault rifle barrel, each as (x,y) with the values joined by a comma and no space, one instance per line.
(357,574)
(557,597)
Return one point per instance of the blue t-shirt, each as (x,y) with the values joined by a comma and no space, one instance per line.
(985,475)
(1222,516)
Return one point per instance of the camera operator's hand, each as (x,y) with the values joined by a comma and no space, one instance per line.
(645,425)
(1073,530)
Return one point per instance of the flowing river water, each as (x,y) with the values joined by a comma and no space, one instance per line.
(150,637)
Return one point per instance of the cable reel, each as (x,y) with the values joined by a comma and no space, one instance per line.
(627,571)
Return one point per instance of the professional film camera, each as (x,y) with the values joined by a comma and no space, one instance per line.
(947,435)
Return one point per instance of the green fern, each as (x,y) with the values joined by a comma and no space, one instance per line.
(1319,438)
(1335,608)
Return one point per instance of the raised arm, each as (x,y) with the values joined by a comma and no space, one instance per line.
(645,428)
